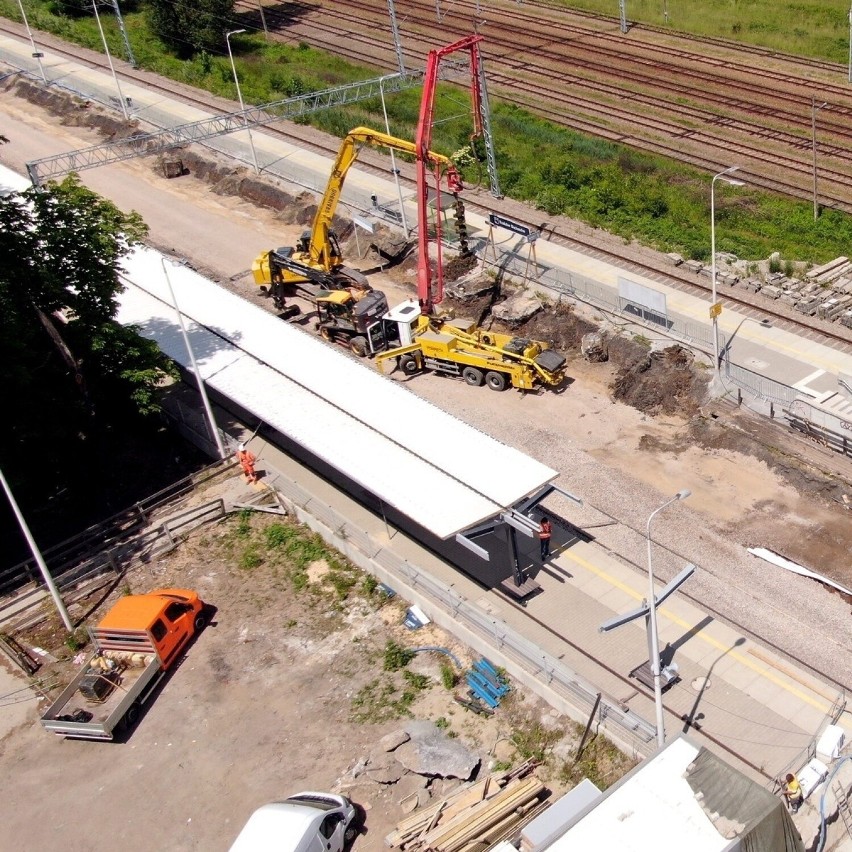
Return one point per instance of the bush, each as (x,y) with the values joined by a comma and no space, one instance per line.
(251,558)
(396,657)
(244,523)
(448,676)
(77,640)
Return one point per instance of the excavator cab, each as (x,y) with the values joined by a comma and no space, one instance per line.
(352,317)
(303,244)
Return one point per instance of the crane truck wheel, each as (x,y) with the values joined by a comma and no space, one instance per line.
(358,345)
(325,333)
(495,381)
(408,364)
(473,377)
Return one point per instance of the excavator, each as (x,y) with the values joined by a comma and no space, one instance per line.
(411,334)
(315,264)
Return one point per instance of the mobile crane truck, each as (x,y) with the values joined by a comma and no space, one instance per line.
(136,643)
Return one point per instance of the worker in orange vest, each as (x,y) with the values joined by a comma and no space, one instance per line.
(247,458)
(545,531)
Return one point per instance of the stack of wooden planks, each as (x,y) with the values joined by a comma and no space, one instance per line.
(473,817)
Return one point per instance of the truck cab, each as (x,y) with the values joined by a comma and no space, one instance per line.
(167,618)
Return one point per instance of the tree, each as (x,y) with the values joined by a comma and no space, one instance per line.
(70,373)
(191,27)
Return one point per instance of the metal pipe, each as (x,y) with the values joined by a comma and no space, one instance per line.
(814,110)
(263,19)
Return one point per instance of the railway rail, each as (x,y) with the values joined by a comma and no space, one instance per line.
(652,268)
(707,110)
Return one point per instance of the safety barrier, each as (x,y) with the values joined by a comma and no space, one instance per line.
(491,636)
(132,546)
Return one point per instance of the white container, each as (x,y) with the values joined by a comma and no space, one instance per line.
(830,743)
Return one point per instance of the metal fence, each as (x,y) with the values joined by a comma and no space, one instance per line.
(522,655)
(109,548)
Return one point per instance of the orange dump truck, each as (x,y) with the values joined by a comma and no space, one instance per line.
(136,643)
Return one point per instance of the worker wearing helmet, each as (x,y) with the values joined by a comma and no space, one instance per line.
(247,458)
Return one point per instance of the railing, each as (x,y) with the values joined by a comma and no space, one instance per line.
(99,537)
(632,729)
(804,756)
(133,545)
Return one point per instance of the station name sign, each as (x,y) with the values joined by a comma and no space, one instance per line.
(508,225)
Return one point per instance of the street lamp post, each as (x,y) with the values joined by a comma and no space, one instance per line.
(240,96)
(211,420)
(45,573)
(715,309)
(109,60)
(652,624)
(814,110)
(394,169)
(37,54)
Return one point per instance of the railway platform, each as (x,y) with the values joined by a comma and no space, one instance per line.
(757,709)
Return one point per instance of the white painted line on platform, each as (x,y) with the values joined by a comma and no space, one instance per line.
(803,384)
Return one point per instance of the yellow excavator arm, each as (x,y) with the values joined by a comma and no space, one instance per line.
(320,244)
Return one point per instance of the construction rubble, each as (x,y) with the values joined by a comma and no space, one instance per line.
(434,778)
(475,816)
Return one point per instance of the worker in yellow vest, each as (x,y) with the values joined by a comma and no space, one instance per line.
(793,792)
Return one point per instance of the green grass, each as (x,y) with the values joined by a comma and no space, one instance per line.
(383,699)
(601,762)
(396,657)
(819,28)
(637,196)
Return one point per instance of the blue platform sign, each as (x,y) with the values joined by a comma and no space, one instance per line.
(508,225)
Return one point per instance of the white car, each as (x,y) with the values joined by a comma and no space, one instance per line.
(306,822)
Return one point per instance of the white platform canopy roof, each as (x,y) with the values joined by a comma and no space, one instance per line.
(437,470)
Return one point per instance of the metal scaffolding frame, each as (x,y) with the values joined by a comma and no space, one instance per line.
(144,144)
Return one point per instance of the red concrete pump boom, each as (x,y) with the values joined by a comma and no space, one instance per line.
(428,297)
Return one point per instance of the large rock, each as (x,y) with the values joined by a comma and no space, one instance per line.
(430,752)
(517,309)
(383,768)
(393,740)
(594,347)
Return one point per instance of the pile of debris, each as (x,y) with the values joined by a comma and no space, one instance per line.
(476,816)
(417,762)
(824,292)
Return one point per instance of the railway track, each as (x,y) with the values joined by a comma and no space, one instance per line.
(709,111)
(653,269)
